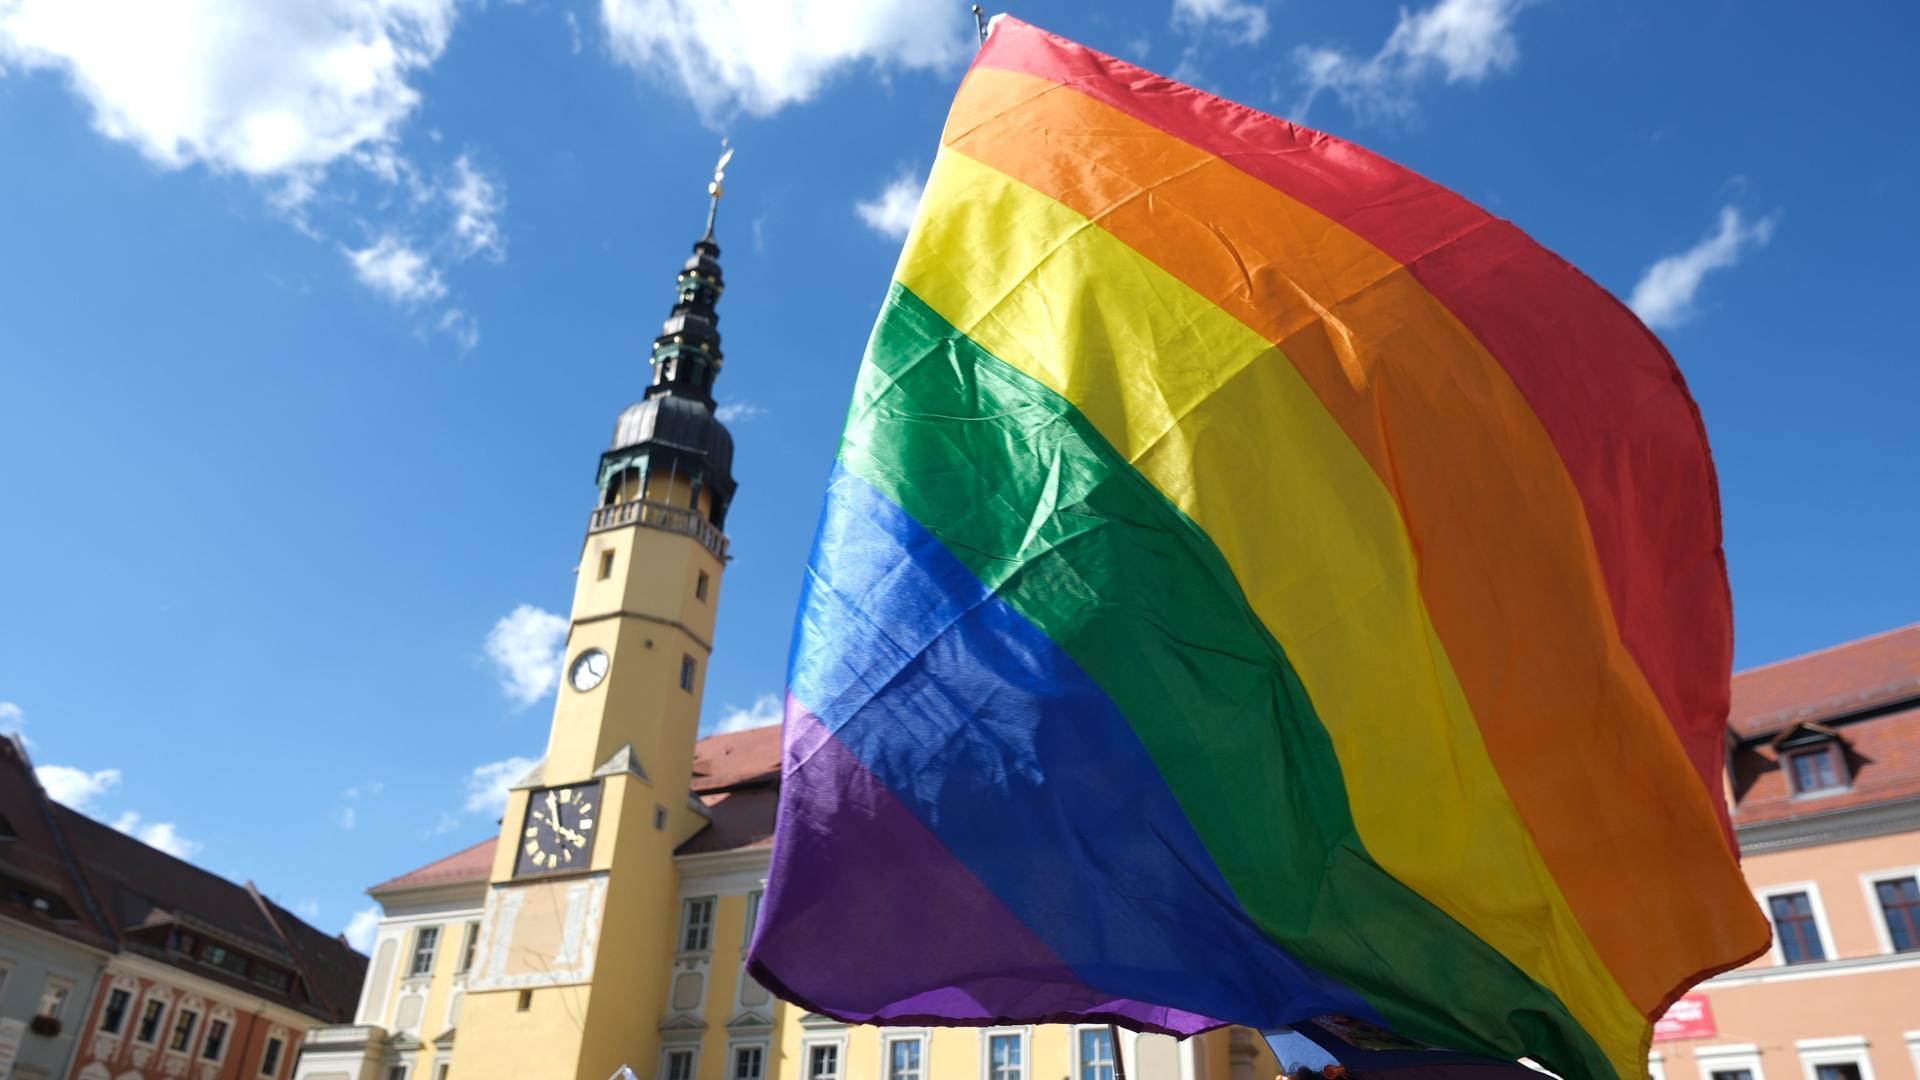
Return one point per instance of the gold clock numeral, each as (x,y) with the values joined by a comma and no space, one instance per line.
(567,855)
(566,794)
(586,808)
(533,846)
(532,831)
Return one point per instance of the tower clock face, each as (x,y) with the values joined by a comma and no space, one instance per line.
(559,829)
(588,669)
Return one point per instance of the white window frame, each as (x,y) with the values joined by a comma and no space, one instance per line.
(687,907)
(1913,1050)
(1712,1059)
(433,951)
(1812,889)
(1867,882)
(52,983)
(193,1033)
(667,1052)
(206,1032)
(734,1046)
(889,1036)
(751,920)
(405,1070)
(280,1062)
(469,947)
(839,1044)
(160,1025)
(1656,1065)
(1025,1037)
(1074,1064)
(127,1019)
(1843,1050)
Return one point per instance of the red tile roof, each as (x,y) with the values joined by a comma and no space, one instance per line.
(742,757)
(1845,678)
(468,864)
(1882,761)
(36,863)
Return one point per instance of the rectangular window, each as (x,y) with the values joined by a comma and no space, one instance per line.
(1733,1074)
(1817,769)
(223,957)
(525,1002)
(441,1070)
(115,1014)
(467,946)
(1096,1054)
(216,1040)
(1900,906)
(1795,929)
(823,1062)
(1003,1057)
(753,919)
(679,1065)
(700,587)
(696,925)
(53,999)
(150,1016)
(273,977)
(1842,1071)
(396,1072)
(606,565)
(749,1062)
(270,1059)
(183,1022)
(425,940)
(903,1059)
(686,674)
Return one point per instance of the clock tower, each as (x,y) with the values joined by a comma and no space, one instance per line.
(575,949)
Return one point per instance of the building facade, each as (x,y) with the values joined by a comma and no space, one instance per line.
(1823,769)
(136,965)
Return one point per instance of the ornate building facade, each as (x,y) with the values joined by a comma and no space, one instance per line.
(141,966)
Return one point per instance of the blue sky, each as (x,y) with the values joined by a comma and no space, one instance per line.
(314,318)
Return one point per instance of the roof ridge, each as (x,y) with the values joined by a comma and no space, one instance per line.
(1836,647)
(293,951)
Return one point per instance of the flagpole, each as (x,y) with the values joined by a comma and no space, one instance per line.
(980,23)
(1113,1030)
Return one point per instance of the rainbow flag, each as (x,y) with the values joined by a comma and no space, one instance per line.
(1255,584)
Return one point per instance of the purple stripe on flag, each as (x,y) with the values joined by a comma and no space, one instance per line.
(816,914)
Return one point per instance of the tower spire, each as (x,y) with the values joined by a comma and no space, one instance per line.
(715,189)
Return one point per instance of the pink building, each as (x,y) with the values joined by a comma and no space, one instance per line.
(1823,763)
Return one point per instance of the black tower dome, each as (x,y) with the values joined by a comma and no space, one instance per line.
(669,446)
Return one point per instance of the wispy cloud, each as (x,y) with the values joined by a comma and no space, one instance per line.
(76,787)
(307,101)
(308,909)
(1244,21)
(525,649)
(1463,41)
(164,835)
(765,710)
(487,785)
(891,212)
(730,55)
(397,271)
(735,411)
(1664,295)
(13,719)
(361,928)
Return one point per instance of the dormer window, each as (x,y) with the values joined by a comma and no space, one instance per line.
(1816,770)
(1814,757)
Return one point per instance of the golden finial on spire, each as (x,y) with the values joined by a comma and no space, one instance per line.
(715,188)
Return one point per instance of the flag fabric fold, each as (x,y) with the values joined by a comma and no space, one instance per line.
(1255,584)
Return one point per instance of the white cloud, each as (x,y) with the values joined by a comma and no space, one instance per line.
(76,787)
(1463,40)
(525,647)
(736,411)
(765,710)
(13,719)
(347,817)
(160,834)
(477,204)
(1244,20)
(360,929)
(446,824)
(395,270)
(761,55)
(891,213)
(573,33)
(308,909)
(257,88)
(459,326)
(1663,297)
(487,785)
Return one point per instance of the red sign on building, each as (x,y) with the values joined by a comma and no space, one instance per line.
(1689,1018)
